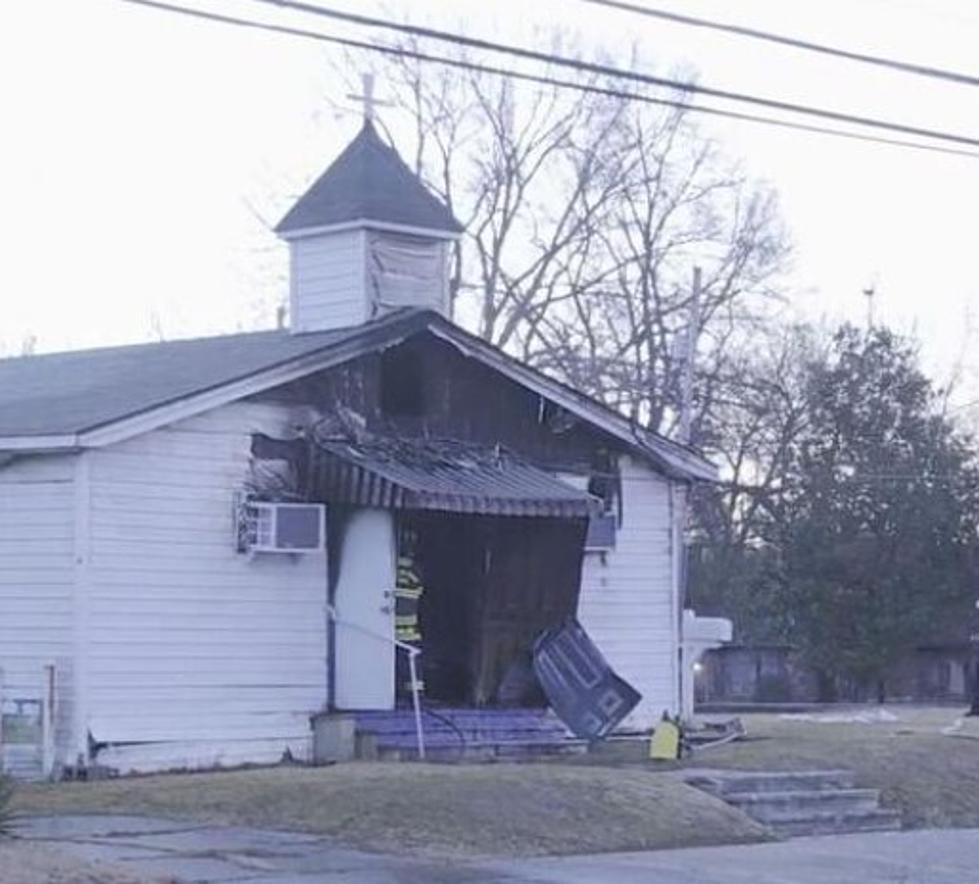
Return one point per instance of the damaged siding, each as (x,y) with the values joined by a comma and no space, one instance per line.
(37,515)
(627,601)
(202,655)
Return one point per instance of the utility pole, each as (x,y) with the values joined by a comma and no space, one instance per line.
(690,354)
(682,504)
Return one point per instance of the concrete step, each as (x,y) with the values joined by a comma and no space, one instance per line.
(831,823)
(816,802)
(732,782)
(772,807)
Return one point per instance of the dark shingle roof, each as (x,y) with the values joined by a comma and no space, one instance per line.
(77,391)
(64,394)
(369,182)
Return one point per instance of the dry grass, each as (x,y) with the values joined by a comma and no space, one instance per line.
(933,779)
(434,810)
(610,800)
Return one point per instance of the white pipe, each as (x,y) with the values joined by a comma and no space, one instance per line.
(416,702)
(48,713)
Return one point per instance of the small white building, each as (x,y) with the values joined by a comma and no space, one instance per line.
(131,589)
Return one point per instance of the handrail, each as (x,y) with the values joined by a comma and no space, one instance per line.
(413,654)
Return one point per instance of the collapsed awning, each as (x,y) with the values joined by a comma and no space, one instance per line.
(442,475)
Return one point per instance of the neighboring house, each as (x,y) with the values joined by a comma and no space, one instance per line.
(128,525)
(774,673)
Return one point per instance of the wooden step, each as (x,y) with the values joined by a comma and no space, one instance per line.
(486,751)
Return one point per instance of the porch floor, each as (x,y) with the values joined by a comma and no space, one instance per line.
(465,734)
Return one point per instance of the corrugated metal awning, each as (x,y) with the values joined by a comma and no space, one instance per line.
(443,475)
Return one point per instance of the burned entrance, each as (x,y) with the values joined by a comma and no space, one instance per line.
(489,585)
(489,554)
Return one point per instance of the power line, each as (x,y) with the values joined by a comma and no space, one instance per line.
(795,42)
(619,73)
(544,79)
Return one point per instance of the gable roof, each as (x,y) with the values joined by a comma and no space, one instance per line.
(60,394)
(368,182)
(95,397)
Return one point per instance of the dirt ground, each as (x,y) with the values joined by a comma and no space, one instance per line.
(32,863)
(429,810)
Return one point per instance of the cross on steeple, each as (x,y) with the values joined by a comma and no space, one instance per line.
(367,98)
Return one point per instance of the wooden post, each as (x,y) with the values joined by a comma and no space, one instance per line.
(48,719)
(690,355)
(682,505)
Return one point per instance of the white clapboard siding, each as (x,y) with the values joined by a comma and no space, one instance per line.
(627,601)
(37,518)
(199,654)
(328,281)
(190,754)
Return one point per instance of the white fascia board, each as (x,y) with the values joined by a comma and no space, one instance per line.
(366,223)
(190,406)
(193,405)
(39,443)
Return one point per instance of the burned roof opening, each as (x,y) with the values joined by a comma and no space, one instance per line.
(402,383)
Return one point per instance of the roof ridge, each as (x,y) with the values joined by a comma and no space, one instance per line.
(108,348)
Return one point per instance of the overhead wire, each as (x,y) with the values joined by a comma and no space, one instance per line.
(590,67)
(906,67)
(543,79)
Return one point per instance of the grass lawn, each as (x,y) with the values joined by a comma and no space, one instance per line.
(932,779)
(434,810)
(611,799)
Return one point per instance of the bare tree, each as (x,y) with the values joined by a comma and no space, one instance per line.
(758,415)
(584,217)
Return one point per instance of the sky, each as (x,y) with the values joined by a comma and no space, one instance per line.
(143,157)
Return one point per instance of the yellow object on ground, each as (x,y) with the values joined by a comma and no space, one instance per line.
(665,743)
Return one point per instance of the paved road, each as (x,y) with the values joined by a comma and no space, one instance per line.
(214,854)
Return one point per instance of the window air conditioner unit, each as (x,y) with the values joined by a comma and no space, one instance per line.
(281,527)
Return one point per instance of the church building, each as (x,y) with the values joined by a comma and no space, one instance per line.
(207,544)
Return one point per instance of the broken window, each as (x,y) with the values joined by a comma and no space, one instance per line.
(605,484)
